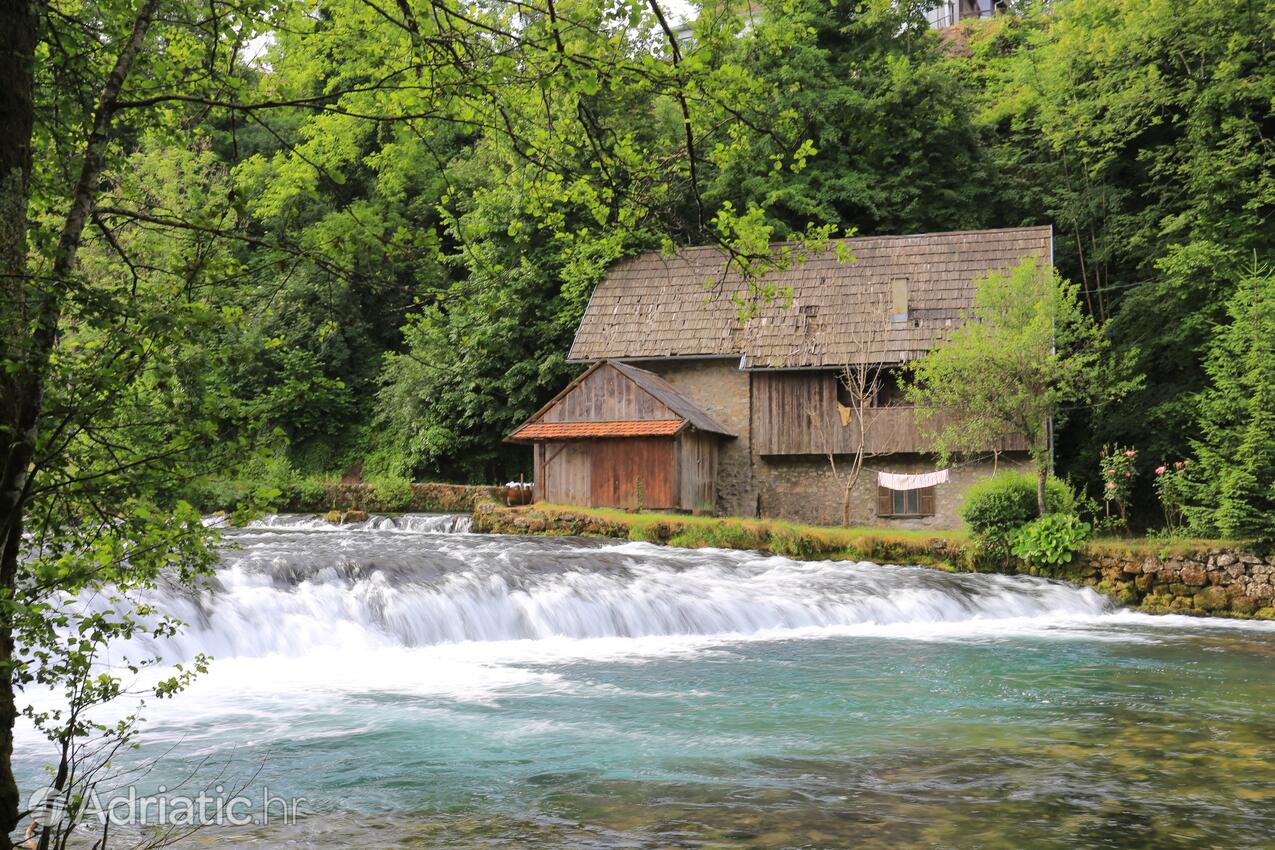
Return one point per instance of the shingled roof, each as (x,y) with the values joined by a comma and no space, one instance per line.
(686,305)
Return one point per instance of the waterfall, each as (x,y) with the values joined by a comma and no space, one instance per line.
(296,586)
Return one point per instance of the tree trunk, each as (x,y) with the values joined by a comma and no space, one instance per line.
(1042,475)
(33,311)
(18,27)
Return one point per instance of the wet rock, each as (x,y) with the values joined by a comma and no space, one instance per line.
(1193,574)
(1211,599)
(1244,605)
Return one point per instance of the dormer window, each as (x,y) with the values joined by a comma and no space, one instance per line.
(899,299)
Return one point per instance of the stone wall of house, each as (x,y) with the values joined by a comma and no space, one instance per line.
(800,488)
(724,392)
(804,489)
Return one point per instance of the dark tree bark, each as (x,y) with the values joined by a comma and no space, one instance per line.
(33,309)
(18,33)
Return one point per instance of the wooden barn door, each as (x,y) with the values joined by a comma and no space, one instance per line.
(618,465)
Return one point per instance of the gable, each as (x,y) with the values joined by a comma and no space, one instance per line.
(615,400)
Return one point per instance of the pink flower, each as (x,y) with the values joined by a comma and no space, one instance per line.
(1128,475)
(1160,470)
(1110,472)
(1177,464)
(1111,485)
(1186,463)
(1130,453)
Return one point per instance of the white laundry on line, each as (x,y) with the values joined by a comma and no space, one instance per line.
(892,481)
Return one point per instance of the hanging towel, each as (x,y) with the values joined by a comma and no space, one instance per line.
(891,481)
(845,413)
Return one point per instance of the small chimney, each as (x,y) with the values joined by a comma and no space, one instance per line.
(899,296)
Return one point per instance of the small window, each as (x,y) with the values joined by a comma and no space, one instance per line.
(905,503)
(899,299)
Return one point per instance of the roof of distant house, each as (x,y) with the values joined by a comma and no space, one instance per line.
(688,304)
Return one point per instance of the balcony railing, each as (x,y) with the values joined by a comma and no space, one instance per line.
(887,430)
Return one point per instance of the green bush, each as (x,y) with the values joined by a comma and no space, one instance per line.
(1051,540)
(389,494)
(996,507)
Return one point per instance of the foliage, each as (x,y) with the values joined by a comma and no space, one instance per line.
(388,494)
(1051,540)
(1025,355)
(1118,472)
(995,507)
(1233,492)
(1172,489)
(1142,131)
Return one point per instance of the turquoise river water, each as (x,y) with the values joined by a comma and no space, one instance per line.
(419,686)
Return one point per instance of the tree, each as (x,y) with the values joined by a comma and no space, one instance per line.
(1233,490)
(1024,357)
(136,271)
(1142,131)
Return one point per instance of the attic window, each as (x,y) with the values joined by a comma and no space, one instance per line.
(899,299)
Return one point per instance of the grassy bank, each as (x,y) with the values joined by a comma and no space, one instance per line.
(793,540)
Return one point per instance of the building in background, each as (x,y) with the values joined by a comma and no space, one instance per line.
(753,417)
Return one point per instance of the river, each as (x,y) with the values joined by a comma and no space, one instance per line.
(420,686)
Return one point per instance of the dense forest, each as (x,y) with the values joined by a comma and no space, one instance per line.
(369,236)
(406,285)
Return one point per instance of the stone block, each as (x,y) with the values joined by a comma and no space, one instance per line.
(1193,574)
(1211,599)
(1244,605)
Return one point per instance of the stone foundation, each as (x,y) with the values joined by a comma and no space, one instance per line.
(803,489)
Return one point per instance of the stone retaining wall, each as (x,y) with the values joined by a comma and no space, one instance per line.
(429,498)
(1213,581)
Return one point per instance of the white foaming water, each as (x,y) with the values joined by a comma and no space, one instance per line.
(414,605)
(297,587)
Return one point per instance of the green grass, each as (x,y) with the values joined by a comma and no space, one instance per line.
(779,536)
(810,541)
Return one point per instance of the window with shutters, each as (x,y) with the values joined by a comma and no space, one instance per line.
(905,503)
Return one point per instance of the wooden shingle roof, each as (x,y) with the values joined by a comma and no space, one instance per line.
(656,306)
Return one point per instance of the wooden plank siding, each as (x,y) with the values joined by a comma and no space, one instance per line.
(697,469)
(607,396)
(795,413)
(563,473)
(620,468)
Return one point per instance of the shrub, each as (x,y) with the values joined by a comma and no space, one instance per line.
(389,494)
(996,507)
(1051,540)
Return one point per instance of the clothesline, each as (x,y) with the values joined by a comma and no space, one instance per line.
(972,460)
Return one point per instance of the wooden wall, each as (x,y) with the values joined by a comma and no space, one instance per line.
(607,396)
(697,469)
(795,413)
(605,473)
(620,468)
(563,473)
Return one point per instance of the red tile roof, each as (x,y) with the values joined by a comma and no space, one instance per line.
(577,430)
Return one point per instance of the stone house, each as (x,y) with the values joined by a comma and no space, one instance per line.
(755,413)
